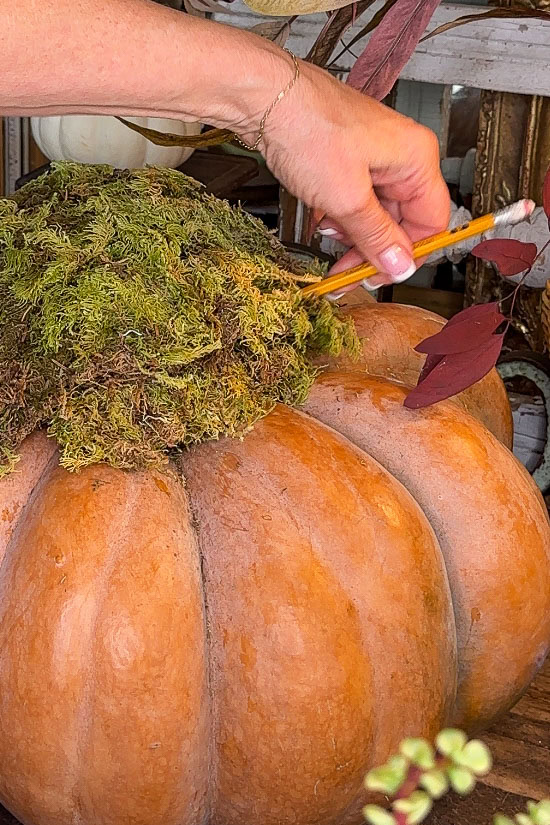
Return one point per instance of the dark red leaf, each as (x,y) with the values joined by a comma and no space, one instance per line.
(455,373)
(430,363)
(375,21)
(473,312)
(466,331)
(546,194)
(510,256)
(376,70)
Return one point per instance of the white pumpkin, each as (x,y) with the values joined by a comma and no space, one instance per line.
(103,139)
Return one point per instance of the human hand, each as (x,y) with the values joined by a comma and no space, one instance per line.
(373,173)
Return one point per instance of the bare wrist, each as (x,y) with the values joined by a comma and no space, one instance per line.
(253,145)
(262,72)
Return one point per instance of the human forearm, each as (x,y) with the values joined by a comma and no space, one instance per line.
(133,57)
(371,172)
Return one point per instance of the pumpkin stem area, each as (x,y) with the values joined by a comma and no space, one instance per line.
(139,315)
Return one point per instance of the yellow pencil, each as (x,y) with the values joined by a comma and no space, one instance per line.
(516,213)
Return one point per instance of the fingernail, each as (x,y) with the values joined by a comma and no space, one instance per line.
(334,296)
(397,263)
(404,275)
(329,231)
(366,284)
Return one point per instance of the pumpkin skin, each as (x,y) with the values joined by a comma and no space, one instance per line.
(390,332)
(243,646)
(103,139)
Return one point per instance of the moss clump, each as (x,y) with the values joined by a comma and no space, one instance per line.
(139,315)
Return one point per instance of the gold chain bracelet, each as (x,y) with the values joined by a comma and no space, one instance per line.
(288,87)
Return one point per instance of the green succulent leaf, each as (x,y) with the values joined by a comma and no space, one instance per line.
(500,819)
(416,807)
(419,752)
(476,756)
(451,741)
(389,777)
(462,780)
(539,812)
(435,783)
(378,816)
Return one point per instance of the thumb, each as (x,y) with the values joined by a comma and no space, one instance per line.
(380,240)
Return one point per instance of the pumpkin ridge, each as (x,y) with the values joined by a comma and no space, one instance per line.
(450,462)
(85,715)
(28,501)
(288,613)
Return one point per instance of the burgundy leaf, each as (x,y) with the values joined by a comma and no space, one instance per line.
(390,47)
(546,194)
(510,256)
(375,21)
(455,373)
(466,331)
(474,312)
(430,364)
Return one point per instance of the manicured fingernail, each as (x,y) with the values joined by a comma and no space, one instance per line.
(404,275)
(335,296)
(396,263)
(329,232)
(366,284)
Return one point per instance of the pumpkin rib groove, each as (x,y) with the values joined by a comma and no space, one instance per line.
(212,752)
(357,449)
(168,764)
(85,716)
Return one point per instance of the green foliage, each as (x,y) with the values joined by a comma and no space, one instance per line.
(475,755)
(378,816)
(435,782)
(462,780)
(538,813)
(456,764)
(421,774)
(416,807)
(139,315)
(419,753)
(451,742)
(389,777)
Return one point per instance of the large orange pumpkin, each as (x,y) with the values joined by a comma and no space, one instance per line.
(238,640)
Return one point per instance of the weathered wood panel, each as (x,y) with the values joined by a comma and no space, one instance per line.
(500,55)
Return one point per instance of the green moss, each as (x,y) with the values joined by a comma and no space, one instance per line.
(139,315)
